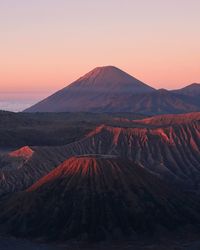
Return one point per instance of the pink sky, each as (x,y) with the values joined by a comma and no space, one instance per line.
(47,44)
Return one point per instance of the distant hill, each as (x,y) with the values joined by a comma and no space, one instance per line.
(109,89)
(190,90)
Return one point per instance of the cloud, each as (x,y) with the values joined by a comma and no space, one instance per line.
(15,106)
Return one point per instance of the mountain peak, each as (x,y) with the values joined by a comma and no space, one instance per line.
(110,79)
(100,69)
(103,72)
(99,89)
(105,68)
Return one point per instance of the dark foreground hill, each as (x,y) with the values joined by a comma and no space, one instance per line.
(109,89)
(95,198)
(51,129)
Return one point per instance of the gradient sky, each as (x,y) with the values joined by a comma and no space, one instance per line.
(46,44)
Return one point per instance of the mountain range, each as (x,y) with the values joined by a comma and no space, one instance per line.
(93,162)
(135,178)
(109,89)
(166,145)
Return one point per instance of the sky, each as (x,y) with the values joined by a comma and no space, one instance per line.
(47,44)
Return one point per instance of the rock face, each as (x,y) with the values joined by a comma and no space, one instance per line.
(173,152)
(96,197)
(109,89)
(167,145)
(24,152)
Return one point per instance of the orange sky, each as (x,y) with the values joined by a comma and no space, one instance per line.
(45,45)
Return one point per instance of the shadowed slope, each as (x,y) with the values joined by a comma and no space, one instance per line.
(52,129)
(110,79)
(109,89)
(94,197)
(157,102)
(93,91)
(170,119)
(24,152)
(171,150)
(190,90)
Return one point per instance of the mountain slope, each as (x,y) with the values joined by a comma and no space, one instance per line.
(52,129)
(110,79)
(168,146)
(109,89)
(156,102)
(24,152)
(190,90)
(170,119)
(96,197)
(93,91)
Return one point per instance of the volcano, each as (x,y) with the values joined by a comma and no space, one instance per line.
(109,89)
(96,197)
(95,91)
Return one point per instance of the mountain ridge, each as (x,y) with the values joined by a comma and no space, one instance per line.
(191,90)
(109,89)
(166,145)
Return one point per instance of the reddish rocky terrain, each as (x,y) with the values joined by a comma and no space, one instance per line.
(96,198)
(136,178)
(170,119)
(170,149)
(24,152)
